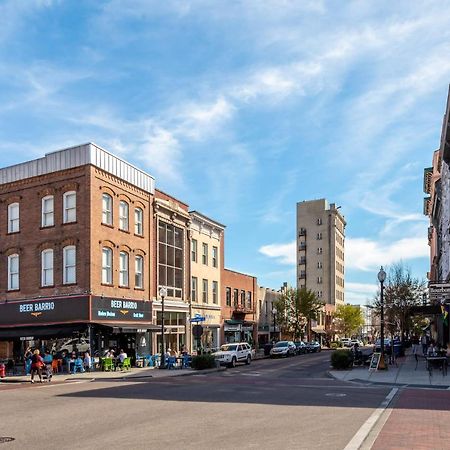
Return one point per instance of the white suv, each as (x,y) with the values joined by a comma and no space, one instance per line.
(231,354)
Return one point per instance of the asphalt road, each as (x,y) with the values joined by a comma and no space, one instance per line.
(271,404)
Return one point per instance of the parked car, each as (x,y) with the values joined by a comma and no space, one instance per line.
(313,347)
(283,348)
(301,347)
(231,354)
(356,341)
(346,342)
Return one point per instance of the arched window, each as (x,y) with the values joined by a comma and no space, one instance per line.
(107,209)
(139,272)
(70,207)
(13,272)
(138,221)
(107,265)
(47,211)
(47,267)
(70,264)
(123,269)
(13,218)
(123,215)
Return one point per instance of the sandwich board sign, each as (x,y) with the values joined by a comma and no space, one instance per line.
(374,361)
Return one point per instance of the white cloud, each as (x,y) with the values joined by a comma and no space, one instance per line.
(360,293)
(283,253)
(368,255)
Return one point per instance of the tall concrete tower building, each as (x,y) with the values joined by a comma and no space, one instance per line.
(320,254)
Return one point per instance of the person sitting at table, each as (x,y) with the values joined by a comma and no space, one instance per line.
(87,362)
(431,350)
(121,357)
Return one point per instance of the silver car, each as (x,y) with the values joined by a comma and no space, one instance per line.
(283,348)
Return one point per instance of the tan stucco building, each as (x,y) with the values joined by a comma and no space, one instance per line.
(206,267)
(320,256)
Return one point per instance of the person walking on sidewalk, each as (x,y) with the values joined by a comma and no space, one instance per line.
(424,341)
(37,363)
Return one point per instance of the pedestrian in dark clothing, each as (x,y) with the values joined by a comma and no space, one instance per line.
(37,363)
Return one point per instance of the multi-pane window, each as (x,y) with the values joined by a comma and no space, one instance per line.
(13,272)
(215,289)
(319,251)
(194,250)
(123,269)
(107,265)
(138,221)
(138,272)
(319,264)
(70,207)
(319,280)
(123,215)
(235,297)
(170,259)
(243,298)
(205,254)
(47,267)
(319,236)
(47,211)
(107,209)
(214,256)
(205,291)
(228,296)
(13,218)
(194,289)
(69,264)
(249,300)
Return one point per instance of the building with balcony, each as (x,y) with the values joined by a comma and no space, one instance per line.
(238,309)
(321,256)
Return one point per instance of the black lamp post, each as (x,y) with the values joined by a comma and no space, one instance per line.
(274,312)
(162,294)
(381,278)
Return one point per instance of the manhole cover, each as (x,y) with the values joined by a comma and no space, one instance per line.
(4,439)
(335,394)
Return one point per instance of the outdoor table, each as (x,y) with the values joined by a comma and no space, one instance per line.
(440,361)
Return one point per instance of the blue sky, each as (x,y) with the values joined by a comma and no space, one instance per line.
(242,109)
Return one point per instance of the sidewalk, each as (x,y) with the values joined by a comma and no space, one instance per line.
(405,373)
(133,374)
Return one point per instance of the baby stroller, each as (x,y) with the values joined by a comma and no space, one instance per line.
(47,372)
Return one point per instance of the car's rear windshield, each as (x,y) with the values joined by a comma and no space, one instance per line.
(281,344)
(228,348)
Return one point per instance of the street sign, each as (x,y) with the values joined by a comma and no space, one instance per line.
(198,318)
(375,361)
(439,291)
(197,331)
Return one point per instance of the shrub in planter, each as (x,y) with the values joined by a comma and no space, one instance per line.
(334,345)
(201,362)
(341,359)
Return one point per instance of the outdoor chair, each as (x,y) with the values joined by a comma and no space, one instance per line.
(149,360)
(186,362)
(126,365)
(171,360)
(78,365)
(107,364)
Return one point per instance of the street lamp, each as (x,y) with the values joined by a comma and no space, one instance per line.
(381,278)
(162,294)
(274,312)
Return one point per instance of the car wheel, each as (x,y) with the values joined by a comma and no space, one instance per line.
(233,362)
(248,360)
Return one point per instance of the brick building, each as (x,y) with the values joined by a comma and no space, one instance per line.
(75,251)
(239,309)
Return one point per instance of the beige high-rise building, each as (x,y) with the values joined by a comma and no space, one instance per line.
(320,255)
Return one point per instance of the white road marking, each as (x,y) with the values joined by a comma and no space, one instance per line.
(367,426)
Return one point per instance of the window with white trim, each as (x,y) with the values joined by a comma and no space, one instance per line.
(205,254)
(123,215)
(69,264)
(107,265)
(215,291)
(194,250)
(123,269)
(13,272)
(138,221)
(48,211)
(205,291)
(13,218)
(139,272)
(194,289)
(69,207)
(107,209)
(215,254)
(47,267)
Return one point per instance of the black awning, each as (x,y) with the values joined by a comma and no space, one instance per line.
(129,327)
(49,331)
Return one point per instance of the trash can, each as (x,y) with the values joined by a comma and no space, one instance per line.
(267,348)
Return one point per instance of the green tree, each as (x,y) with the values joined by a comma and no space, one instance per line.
(401,293)
(295,310)
(348,319)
